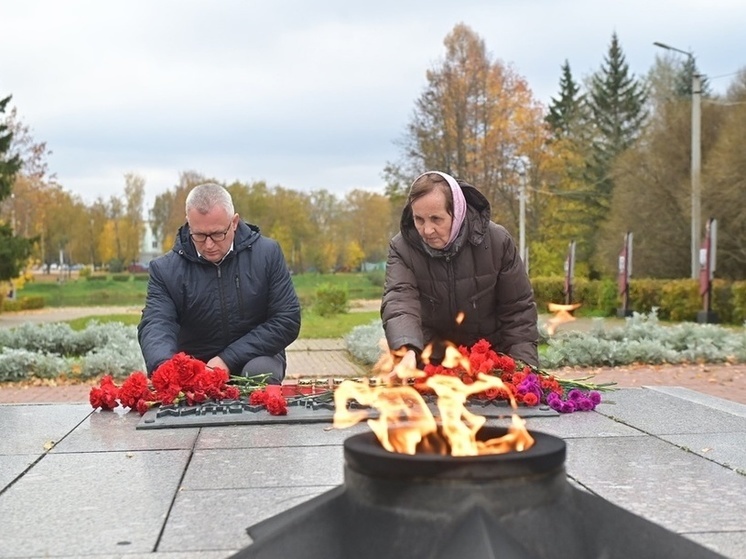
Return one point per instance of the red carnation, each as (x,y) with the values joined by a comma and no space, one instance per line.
(134,389)
(105,395)
(142,407)
(492,393)
(276,405)
(482,346)
(166,383)
(258,398)
(505,363)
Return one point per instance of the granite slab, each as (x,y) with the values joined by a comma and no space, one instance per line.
(661,482)
(657,413)
(264,467)
(105,489)
(116,430)
(37,428)
(13,465)
(219,518)
(90,503)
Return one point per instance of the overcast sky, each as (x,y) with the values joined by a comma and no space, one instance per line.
(306,94)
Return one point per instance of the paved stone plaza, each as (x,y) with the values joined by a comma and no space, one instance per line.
(79,483)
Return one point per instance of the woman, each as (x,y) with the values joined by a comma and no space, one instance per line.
(448,259)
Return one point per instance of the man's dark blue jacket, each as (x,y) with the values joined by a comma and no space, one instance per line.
(240,309)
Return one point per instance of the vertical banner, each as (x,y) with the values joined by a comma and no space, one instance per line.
(624,274)
(707,271)
(569,272)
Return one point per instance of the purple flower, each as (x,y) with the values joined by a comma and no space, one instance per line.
(567,407)
(575,394)
(595,397)
(555,404)
(585,404)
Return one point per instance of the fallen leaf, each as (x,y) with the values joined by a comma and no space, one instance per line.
(49,445)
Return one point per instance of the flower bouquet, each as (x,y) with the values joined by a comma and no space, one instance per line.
(525,384)
(185,379)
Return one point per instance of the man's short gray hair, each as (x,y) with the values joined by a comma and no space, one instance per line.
(205,197)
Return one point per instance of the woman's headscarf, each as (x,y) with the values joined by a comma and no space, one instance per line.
(459,205)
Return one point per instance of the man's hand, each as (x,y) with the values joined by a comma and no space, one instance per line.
(218,363)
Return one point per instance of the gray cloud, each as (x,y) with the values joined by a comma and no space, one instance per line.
(303,94)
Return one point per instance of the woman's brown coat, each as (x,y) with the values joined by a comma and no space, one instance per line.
(484,278)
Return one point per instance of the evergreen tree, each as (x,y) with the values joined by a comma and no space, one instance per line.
(9,165)
(684,79)
(13,250)
(564,172)
(618,104)
(568,115)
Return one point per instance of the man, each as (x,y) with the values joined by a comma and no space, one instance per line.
(222,295)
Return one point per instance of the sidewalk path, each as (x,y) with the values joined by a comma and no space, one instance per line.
(60,314)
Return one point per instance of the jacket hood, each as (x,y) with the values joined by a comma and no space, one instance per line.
(246,234)
(478,215)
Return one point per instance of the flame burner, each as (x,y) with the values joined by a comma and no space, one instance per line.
(512,506)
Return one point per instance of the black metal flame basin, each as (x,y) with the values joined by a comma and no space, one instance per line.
(517,505)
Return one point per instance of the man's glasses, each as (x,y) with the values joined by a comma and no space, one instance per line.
(216,237)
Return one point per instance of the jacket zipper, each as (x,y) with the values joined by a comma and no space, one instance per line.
(223,313)
(237,281)
(452,284)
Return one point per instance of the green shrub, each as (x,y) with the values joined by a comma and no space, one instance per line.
(23,304)
(738,293)
(331,300)
(377,277)
(680,300)
(140,277)
(85,272)
(97,277)
(121,277)
(116,266)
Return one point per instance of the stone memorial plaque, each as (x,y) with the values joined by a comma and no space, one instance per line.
(300,410)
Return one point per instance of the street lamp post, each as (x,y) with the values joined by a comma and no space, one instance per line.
(696,157)
(522,171)
(522,221)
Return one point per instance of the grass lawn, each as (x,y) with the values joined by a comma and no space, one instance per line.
(311,327)
(129,289)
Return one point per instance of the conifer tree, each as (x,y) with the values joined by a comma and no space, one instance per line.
(618,104)
(9,165)
(568,115)
(13,250)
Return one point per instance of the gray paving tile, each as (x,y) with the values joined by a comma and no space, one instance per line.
(13,465)
(728,449)
(721,404)
(657,413)
(219,554)
(78,504)
(253,436)
(35,428)
(324,344)
(220,518)
(656,480)
(264,467)
(116,430)
(574,425)
(322,364)
(729,544)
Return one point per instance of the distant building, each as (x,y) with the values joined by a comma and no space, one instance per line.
(150,246)
(371,266)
